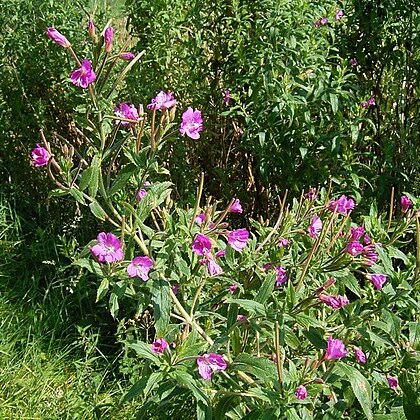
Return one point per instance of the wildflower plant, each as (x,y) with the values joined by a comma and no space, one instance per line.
(280,318)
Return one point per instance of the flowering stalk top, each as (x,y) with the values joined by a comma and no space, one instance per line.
(126,111)
(58,38)
(238,239)
(378,280)
(354,248)
(210,363)
(359,355)
(406,203)
(108,249)
(140,267)
(236,207)
(281,276)
(108,38)
(163,101)
(40,156)
(192,123)
(343,205)
(335,349)
(201,245)
(315,227)
(159,346)
(84,75)
(335,302)
(392,381)
(127,55)
(301,392)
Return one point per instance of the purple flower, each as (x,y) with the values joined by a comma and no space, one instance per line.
(357,233)
(212,266)
(163,100)
(192,123)
(364,104)
(236,207)
(335,349)
(238,239)
(84,75)
(335,302)
(108,38)
(281,276)
(40,156)
(354,248)
(226,97)
(323,20)
(201,245)
(140,267)
(406,203)
(128,112)
(316,23)
(359,355)
(315,227)
(210,363)
(159,346)
(232,288)
(283,242)
(392,381)
(370,254)
(342,205)
(91,29)
(372,101)
(378,280)
(57,37)
(354,62)
(242,319)
(199,219)
(301,392)
(141,193)
(221,253)
(127,55)
(311,194)
(339,14)
(108,249)
(175,287)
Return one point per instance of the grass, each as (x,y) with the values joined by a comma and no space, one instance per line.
(52,365)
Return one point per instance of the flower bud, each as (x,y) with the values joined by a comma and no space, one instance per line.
(57,37)
(92,30)
(108,37)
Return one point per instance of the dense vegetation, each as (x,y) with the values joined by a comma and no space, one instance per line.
(242,242)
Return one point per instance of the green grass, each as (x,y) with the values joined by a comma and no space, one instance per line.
(52,365)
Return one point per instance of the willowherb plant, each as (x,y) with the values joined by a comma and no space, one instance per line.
(284,321)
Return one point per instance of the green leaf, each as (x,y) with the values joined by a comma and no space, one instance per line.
(136,389)
(113,304)
(161,305)
(261,367)
(186,380)
(123,177)
(334,102)
(266,289)
(103,289)
(77,195)
(85,179)
(144,350)
(97,210)
(414,334)
(360,387)
(94,179)
(254,308)
(91,265)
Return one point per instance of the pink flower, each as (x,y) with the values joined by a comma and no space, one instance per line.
(372,101)
(339,14)
(335,349)
(57,37)
(392,381)
(301,392)
(357,233)
(311,194)
(91,29)
(364,104)
(212,266)
(406,203)
(84,75)
(226,97)
(281,276)
(378,280)
(199,219)
(210,363)
(221,253)
(354,62)
(108,38)
(126,111)
(335,302)
(108,249)
(201,245)
(40,156)
(236,207)
(192,123)
(316,23)
(175,288)
(232,288)
(242,319)
(140,267)
(359,355)
(141,193)
(159,346)
(323,20)
(315,227)
(163,100)
(127,55)
(238,239)
(342,205)
(283,242)
(354,248)
(370,254)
